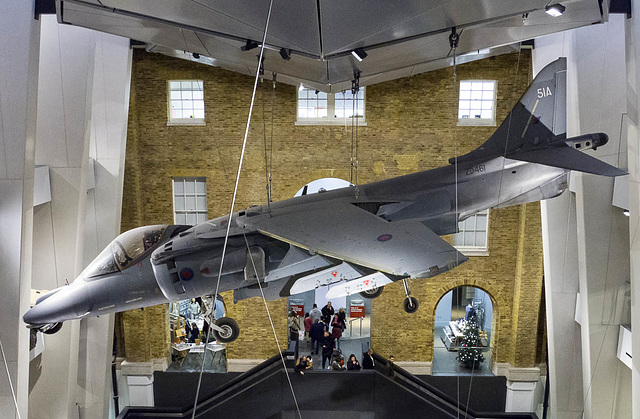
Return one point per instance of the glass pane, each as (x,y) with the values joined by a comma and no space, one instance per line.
(482,222)
(488,85)
(487,95)
(322,113)
(463,114)
(201,202)
(179,203)
(190,203)
(198,104)
(192,219)
(176,104)
(476,85)
(476,104)
(481,239)
(202,217)
(181,218)
(178,186)
(465,94)
(174,85)
(339,113)
(185,85)
(302,94)
(487,104)
(175,94)
(187,95)
(465,85)
(486,114)
(469,238)
(469,223)
(322,95)
(190,187)
(176,114)
(360,94)
(199,85)
(476,94)
(201,186)
(186,104)
(465,104)
(198,95)
(457,239)
(302,103)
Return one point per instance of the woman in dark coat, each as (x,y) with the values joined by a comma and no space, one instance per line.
(352,363)
(336,329)
(327,349)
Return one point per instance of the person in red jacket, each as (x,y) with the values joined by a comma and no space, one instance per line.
(336,329)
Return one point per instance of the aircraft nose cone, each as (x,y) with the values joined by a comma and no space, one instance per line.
(67,304)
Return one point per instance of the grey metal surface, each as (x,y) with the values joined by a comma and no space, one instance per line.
(401,38)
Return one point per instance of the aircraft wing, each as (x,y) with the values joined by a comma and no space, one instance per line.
(341,230)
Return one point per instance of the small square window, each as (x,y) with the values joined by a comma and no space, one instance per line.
(476,105)
(186,102)
(189,200)
(471,238)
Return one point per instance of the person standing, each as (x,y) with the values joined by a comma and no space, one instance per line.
(315,314)
(342,317)
(368,363)
(194,307)
(336,329)
(389,370)
(327,349)
(294,326)
(327,313)
(307,326)
(317,334)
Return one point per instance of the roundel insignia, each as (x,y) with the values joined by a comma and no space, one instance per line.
(186,274)
(384,237)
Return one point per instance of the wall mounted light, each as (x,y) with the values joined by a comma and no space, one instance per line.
(359,53)
(301,88)
(626,212)
(555,10)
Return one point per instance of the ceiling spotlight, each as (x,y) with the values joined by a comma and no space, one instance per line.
(626,212)
(359,53)
(285,54)
(196,55)
(555,10)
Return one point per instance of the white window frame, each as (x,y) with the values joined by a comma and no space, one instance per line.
(478,121)
(482,250)
(331,106)
(183,121)
(186,211)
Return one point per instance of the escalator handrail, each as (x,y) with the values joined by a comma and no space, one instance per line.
(439,393)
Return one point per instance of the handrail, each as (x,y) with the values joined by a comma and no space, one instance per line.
(176,412)
(446,398)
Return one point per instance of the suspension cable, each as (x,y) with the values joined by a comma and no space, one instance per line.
(275,335)
(235,192)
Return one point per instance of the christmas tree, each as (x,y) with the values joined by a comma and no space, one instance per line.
(469,354)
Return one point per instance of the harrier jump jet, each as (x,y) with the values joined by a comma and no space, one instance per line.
(357,238)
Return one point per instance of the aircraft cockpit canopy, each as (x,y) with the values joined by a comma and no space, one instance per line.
(124,250)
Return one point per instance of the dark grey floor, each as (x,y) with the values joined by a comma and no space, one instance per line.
(445,363)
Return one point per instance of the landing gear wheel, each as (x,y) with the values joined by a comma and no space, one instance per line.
(410,304)
(56,328)
(372,293)
(230,330)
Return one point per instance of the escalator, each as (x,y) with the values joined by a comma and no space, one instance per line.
(264,391)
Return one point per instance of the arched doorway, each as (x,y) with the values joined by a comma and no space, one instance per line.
(453,314)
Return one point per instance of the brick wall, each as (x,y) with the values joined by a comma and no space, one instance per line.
(411,126)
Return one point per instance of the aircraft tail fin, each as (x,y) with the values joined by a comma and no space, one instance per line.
(535,129)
